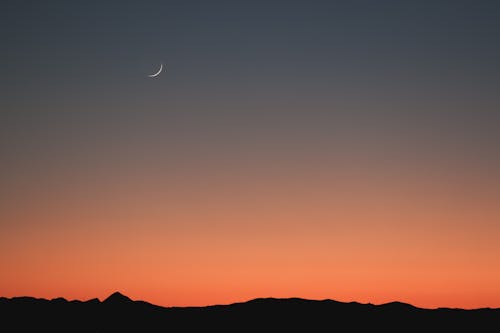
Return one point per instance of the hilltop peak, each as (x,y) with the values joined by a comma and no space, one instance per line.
(399,305)
(117,297)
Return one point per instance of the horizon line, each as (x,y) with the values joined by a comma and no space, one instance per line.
(121,295)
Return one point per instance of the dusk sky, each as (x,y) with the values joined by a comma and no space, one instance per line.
(317,149)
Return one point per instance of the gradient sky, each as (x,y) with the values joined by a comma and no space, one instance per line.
(317,149)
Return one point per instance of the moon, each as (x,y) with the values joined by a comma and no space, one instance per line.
(157,73)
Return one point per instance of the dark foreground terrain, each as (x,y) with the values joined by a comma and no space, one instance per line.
(118,313)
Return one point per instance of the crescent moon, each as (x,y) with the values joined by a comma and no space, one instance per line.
(157,73)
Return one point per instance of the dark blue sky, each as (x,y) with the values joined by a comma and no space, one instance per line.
(403,76)
(396,71)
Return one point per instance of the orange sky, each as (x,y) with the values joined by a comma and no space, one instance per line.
(427,236)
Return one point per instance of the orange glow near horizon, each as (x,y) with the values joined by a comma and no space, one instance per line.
(362,238)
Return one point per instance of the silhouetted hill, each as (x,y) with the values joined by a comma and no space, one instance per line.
(117,298)
(118,313)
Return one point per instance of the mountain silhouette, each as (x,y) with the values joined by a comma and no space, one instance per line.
(118,313)
(117,298)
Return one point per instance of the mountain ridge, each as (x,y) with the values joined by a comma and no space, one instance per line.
(118,297)
(119,313)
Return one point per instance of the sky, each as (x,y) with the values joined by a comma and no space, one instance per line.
(316,149)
